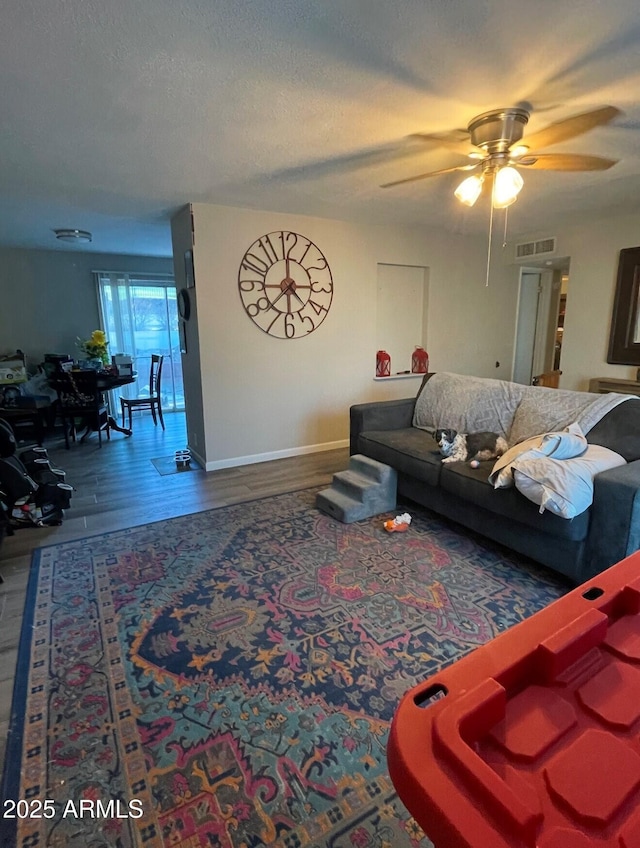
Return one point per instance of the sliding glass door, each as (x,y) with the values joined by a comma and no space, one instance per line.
(140,317)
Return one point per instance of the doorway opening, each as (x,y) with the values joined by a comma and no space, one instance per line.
(542,304)
(140,317)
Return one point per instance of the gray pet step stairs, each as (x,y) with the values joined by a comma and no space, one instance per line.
(366,488)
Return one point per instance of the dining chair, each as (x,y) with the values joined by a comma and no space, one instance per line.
(80,398)
(154,401)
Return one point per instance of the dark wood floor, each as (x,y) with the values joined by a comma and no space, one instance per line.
(116,487)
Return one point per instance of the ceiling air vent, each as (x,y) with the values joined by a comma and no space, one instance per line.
(533,249)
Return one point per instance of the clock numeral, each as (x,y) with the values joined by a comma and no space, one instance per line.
(316,287)
(250,285)
(270,251)
(286,239)
(306,250)
(289,250)
(254,263)
(317,267)
(308,318)
(279,315)
(261,305)
(289,326)
(318,308)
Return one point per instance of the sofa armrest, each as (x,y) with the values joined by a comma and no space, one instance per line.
(379,415)
(614,531)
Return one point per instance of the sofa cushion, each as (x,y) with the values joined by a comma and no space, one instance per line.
(473,485)
(409,451)
(619,430)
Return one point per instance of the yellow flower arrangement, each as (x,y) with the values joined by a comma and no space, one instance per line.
(95,347)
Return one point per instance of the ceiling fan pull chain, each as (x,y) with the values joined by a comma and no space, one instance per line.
(486,284)
(504,235)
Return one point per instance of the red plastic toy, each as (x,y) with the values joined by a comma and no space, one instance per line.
(533,740)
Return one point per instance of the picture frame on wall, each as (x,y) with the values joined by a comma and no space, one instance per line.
(182,332)
(188,269)
(624,337)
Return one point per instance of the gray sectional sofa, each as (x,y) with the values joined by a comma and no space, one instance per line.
(399,433)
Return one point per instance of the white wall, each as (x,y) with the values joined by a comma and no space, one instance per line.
(472,325)
(48,297)
(265,397)
(593,247)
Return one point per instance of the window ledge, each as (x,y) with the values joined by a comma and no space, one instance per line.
(397,377)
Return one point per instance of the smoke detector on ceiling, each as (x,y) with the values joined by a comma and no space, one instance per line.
(73,236)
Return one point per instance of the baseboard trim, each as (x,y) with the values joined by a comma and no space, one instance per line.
(254,458)
(197,457)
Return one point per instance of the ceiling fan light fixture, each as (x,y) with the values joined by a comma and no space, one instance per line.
(519,150)
(469,190)
(506,187)
(73,236)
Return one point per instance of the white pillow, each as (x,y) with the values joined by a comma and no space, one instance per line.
(566,444)
(563,486)
(561,445)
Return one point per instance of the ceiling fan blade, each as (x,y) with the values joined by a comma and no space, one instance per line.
(570,127)
(565,162)
(458,141)
(430,174)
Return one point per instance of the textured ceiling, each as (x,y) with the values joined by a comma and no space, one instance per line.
(115,114)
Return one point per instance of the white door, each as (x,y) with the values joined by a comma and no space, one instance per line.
(528,300)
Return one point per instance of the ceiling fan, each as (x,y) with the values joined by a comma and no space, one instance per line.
(497,146)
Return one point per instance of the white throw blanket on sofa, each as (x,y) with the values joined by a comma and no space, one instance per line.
(517,412)
(467,404)
(555,470)
(543,410)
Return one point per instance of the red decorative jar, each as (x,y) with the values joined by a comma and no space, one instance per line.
(383,364)
(419,361)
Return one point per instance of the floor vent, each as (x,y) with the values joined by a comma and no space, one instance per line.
(542,247)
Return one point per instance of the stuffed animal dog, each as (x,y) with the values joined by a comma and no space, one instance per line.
(464,447)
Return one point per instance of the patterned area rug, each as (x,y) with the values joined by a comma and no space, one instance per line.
(227,678)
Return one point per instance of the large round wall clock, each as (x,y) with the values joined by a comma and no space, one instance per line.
(285,284)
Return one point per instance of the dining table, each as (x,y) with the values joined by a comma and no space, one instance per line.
(107,382)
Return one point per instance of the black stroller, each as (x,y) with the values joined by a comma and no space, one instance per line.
(33,493)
